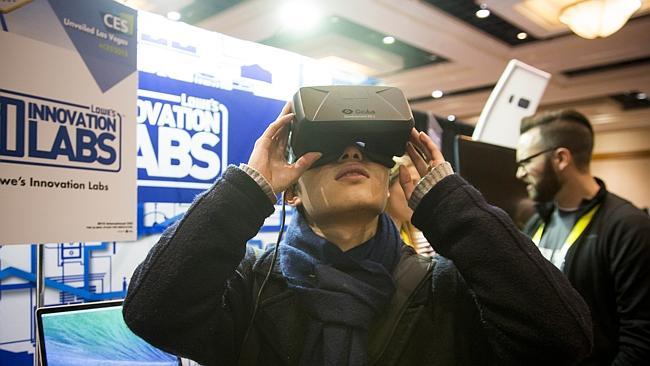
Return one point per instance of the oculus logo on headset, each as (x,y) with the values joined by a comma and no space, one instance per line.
(358,113)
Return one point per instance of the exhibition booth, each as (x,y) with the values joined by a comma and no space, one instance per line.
(113,121)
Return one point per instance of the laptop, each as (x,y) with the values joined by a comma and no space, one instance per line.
(93,334)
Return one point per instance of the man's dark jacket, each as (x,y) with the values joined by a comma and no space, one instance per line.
(609,265)
(193,294)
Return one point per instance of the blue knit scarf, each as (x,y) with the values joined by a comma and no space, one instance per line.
(343,292)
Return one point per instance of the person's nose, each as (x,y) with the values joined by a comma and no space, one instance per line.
(521,172)
(351,153)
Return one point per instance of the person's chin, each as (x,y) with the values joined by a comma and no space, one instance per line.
(360,206)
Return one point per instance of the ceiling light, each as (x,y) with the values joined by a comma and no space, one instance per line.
(598,18)
(174,15)
(300,15)
(522,35)
(388,40)
(641,95)
(437,94)
(451,118)
(483,12)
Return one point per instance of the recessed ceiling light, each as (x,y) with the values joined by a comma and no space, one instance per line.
(388,40)
(641,95)
(483,12)
(522,35)
(174,15)
(451,118)
(437,94)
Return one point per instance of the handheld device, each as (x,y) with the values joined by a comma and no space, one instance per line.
(329,118)
(516,95)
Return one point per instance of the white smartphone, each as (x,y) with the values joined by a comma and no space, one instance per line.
(516,95)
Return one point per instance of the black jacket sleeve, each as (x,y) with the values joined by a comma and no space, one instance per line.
(190,296)
(529,310)
(629,264)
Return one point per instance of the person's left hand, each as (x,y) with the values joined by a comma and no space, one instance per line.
(425,156)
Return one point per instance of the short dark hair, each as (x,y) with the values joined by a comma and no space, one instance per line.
(566,128)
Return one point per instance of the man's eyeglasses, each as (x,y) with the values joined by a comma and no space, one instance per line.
(526,160)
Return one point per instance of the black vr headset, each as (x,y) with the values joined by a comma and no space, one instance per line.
(328,119)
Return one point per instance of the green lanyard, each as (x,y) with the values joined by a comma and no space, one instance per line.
(575,233)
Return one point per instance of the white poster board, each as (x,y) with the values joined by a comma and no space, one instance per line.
(68,86)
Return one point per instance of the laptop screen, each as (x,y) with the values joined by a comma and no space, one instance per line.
(94,334)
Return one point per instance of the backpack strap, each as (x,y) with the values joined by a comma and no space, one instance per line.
(251,348)
(410,274)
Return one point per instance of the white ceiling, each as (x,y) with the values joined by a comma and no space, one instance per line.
(475,59)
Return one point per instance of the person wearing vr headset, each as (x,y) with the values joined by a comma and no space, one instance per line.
(344,289)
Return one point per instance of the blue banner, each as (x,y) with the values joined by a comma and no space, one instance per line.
(189,133)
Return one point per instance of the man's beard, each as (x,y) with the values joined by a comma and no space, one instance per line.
(548,185)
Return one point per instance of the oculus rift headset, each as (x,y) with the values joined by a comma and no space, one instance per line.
(328,119)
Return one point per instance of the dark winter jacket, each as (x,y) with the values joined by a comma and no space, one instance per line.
(498,303)
(609,265)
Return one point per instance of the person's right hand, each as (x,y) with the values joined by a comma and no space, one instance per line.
(269,158)
(425,157)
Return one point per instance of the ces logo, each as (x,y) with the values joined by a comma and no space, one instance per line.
(122,23)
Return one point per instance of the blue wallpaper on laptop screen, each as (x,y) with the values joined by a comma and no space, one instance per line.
(97,337)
